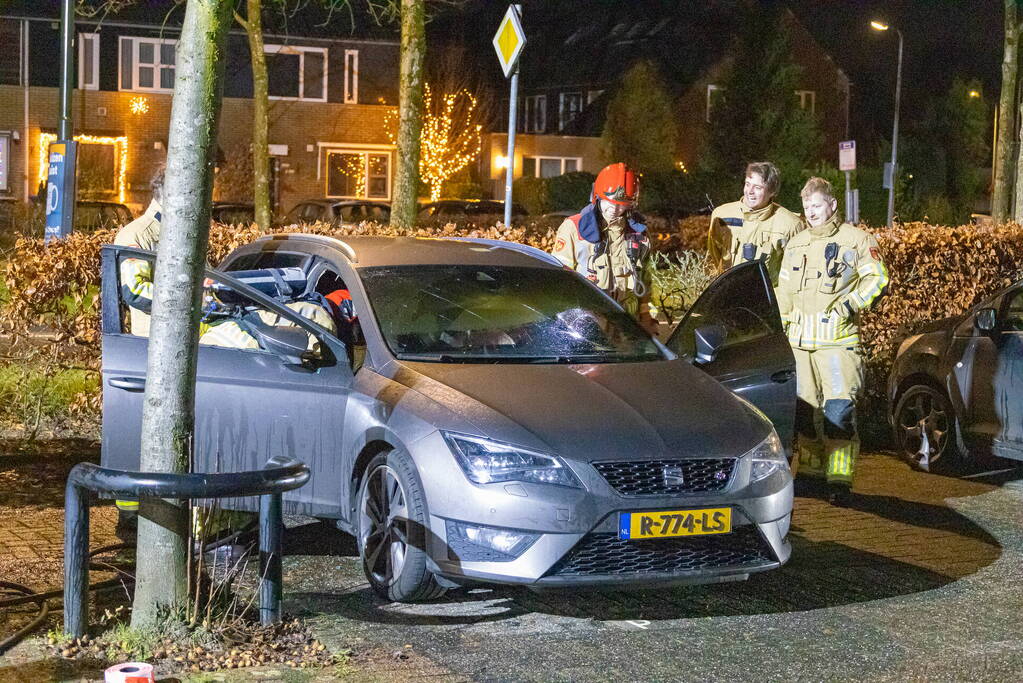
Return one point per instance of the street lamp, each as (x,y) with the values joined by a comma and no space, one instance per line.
(880,26)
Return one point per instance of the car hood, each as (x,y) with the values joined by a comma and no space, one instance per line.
(621,411)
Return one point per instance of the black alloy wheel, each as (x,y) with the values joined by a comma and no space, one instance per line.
(925,425)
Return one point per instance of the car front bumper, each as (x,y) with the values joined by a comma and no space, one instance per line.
(578,544)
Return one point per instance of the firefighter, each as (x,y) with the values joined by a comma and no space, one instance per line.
(607,243)
(830,273)
(137,274)
(755,227)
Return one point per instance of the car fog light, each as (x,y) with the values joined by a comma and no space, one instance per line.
(486,543)
(768,457)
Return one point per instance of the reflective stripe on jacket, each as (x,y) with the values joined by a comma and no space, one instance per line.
(137,274)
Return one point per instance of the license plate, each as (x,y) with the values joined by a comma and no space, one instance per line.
(636,526)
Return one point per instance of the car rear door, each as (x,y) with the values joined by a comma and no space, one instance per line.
(250,404)
(755,361)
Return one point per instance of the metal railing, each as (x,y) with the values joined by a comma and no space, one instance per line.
(279,475)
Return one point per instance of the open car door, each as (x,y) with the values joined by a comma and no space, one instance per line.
(739,313)
(280,388)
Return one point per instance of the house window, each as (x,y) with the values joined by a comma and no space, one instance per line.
(592,95)
(807,100)
(570,106)
(536,114)
(296,73)
(10,66)
(548,167)
(714,93)
(5,160)
(147,64)
(351,76)
(357,174)
(88,61)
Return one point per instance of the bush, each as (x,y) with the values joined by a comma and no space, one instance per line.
(531,193)
(462,189)
(570,191)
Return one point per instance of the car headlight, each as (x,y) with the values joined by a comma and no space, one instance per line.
(486,462)
(768,457)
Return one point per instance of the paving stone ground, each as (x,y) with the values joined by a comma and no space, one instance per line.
(918,579)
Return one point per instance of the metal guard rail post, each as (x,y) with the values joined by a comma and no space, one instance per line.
(279,475)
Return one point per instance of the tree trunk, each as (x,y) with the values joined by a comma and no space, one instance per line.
(253,26)
(168,414)
(404,205)
(1005,152)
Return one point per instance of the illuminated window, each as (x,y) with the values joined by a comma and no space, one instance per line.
(548,167)
(147,64)
(536,114)
(351,76)
(296,73)
(88,61)
(807,100)
(5,160)
(355,174)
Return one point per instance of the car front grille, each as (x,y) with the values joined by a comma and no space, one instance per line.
(605,554)
(660,477)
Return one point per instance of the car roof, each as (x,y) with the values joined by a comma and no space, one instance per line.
(369,252)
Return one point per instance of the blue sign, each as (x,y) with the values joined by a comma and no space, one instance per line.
(60,189)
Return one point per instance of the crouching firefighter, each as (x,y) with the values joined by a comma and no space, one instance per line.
(831,272)
(607,243)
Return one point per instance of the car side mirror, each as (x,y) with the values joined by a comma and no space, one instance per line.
(986,320)
(709,340)
(289,343)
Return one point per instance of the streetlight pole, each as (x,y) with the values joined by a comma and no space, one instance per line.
(895,136)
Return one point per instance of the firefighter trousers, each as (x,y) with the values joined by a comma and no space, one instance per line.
(828,381)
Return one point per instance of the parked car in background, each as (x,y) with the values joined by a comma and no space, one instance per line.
(460,208)
(91,216)
(232,213)
(335,211)
(955,394)
(500,419)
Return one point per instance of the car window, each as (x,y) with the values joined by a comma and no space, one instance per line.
(501,314)
(88,217)
(733,302)
(1012,318)
(234,215)
(295,215)
(312,213)
(267,259)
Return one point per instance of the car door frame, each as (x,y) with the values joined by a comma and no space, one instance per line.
(111,326)
(771,386)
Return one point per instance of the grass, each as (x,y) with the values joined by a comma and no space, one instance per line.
(32,391)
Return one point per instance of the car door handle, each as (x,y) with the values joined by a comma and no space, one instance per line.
(783,376)
(128,383)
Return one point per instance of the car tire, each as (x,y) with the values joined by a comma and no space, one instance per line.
(925,415)
(392,530)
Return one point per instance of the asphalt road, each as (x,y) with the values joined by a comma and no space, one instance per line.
(918,579)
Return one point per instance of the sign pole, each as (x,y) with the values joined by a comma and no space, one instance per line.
(509,176)
(508,43)
(847,163)
(60,185)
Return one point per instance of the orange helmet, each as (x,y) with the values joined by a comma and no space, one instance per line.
(618,184)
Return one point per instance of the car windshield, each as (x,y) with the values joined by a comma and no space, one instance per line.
(495,314)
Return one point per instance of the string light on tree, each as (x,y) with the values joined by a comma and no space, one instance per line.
(451,137)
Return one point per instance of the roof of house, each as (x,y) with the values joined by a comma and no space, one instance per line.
(311,20)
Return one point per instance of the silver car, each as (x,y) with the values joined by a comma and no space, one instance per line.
(488,415)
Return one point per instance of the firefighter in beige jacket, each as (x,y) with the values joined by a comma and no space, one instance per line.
(830,273)
(754,227)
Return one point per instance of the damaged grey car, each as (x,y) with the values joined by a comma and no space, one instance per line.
(473,412)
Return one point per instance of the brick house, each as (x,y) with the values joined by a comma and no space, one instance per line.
(332,95)
(577,53)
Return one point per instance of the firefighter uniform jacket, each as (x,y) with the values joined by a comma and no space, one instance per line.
(613,271)
(738,233)
(137,274)
(829,274)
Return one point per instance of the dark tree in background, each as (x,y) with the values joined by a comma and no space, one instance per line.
(641,128)
(758,116)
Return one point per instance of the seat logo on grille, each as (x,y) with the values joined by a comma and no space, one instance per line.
(673,476)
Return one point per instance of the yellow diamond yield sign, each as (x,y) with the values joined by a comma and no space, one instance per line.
(509,40)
